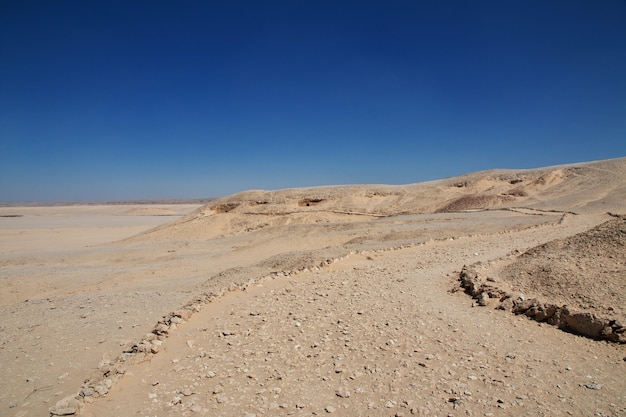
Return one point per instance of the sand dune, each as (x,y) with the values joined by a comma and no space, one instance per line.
(319,300)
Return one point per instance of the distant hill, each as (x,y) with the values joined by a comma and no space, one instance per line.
(584,187)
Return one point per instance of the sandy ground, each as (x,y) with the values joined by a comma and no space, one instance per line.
(307,302)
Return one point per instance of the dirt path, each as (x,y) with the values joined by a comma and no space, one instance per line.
(378,333)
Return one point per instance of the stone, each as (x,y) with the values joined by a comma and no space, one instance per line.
(483,299)
(506,304)
(330,409)
(586,324)
(183,314)
(343,392)
(161,328)
(101,390)
(66,407)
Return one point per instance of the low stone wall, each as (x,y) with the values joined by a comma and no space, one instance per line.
(587,324)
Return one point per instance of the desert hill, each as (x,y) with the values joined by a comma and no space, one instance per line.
(578,187)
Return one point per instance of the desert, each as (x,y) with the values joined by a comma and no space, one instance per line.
(495,293)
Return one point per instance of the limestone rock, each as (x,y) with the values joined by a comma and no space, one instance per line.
(66,407)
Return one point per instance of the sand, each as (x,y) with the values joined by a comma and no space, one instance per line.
(342,300)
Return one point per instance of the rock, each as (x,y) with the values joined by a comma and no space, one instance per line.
(66,407)
(483,299)
(506,304)
(144,346)
(161,328)
(330,409)
(593,386)
(343,392)
(543,312)
(184,314)
(470,282)
(586,324)
(101,390)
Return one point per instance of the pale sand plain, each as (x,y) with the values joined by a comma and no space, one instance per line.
(339,300)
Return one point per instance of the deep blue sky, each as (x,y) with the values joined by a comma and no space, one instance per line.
(148,99)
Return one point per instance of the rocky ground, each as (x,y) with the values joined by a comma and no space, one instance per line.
(378,333)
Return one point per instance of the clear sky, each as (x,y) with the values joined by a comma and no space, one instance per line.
(111,100)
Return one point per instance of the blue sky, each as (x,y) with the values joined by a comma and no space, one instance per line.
(161,99)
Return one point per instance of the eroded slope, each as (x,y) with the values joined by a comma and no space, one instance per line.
(598,186)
